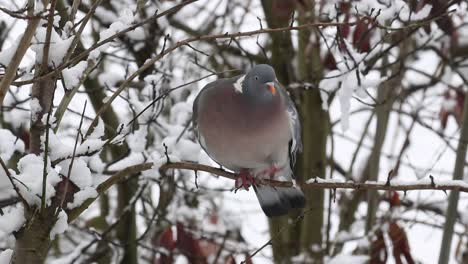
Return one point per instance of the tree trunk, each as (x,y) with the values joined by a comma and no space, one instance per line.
(451,215)
(33,240)
(282,52)
(126,230)
(312,162)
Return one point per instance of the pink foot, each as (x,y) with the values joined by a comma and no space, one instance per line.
(245,180)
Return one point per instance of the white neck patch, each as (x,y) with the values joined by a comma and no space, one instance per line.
(238,84)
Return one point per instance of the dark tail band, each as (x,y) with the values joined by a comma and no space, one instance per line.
(277,201)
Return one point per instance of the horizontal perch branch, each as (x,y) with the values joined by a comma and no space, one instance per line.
(316,183)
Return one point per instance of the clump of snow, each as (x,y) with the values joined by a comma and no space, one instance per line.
(98,131)
(5,256)
(30,169)
(94,55)
(406,14)
(113,29)
(423,13)
(51,121)
(80,197)
(72,76)
(60,150)
(132,159)
(17,117)
(9,143)
(126,16)
(137,34)
(124,21)
(137,141)
(57,49)
(96,164)
(68,28)
(184,149)
(79,174)
(12,220)
(35,109)
(57,149)
(60,226)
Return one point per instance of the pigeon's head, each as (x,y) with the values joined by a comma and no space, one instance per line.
(260,83)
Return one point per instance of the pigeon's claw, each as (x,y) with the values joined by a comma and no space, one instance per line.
(245,180)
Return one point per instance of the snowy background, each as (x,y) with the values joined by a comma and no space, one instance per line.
(431,150)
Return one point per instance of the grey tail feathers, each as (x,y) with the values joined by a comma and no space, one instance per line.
(277,201)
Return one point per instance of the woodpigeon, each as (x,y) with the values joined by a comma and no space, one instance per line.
(249,124)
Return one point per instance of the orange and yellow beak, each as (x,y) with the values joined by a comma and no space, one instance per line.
(271,87)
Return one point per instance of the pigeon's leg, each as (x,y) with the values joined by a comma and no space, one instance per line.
(245,179)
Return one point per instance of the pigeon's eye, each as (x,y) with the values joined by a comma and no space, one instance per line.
(256,78)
